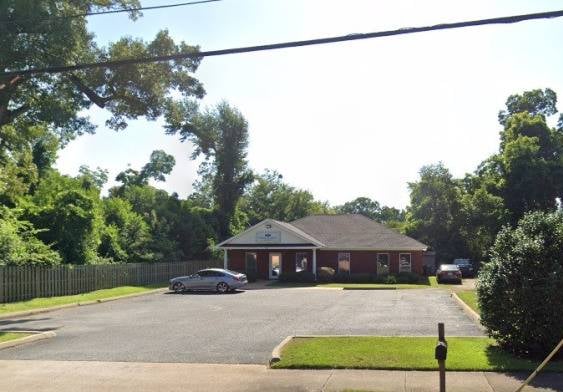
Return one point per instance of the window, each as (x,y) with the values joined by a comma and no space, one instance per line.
(344,262)
(404,262)
(250,262)
(301,261)
(383,263)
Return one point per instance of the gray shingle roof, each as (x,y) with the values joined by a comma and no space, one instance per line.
(354,231)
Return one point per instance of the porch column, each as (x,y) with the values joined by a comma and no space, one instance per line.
(225,260)
(315,262)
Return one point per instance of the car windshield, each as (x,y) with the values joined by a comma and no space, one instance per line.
(449,267)
(462,262)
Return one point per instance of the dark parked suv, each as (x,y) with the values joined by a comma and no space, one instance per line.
(466,267)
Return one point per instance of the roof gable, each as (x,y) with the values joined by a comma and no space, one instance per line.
(271,232)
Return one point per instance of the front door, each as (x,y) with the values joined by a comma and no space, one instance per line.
(275,265)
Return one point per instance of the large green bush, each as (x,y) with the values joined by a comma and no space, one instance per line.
(520,290)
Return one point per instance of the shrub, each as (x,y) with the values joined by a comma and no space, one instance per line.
(325,274)
(391,279)
(520,291)
(299,277)
(407,277)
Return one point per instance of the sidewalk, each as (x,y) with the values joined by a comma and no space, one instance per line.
(66,376)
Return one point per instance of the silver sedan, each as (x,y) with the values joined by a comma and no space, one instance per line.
(213,279)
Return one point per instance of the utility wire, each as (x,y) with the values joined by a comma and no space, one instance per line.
(84,14)
(292,44)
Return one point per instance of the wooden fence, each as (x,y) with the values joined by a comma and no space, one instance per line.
(22,283)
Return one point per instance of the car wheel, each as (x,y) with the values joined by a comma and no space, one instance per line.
(222,287)
(178,287)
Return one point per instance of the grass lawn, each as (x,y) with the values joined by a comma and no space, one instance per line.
(407,353)
(470,298)
(38,303)
(5,336)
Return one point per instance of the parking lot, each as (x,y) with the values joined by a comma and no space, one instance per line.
(241,327)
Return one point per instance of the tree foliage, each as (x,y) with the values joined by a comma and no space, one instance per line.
(39,35)
(19,244)
(520,290)
(220,134)
(433,215)
(270,197)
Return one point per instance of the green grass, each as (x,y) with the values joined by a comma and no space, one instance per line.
(39,303)
(406,353)
(5,336)
(470,298)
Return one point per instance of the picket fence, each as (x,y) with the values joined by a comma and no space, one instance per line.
(27,282)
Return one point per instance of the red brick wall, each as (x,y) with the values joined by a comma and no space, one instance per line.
(366,261)
(361,261)
(236,260)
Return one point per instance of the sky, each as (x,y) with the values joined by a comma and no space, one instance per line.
(342,120)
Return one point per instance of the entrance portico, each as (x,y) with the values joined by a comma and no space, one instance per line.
(271,248)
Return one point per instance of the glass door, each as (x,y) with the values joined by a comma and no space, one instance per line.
(275,265)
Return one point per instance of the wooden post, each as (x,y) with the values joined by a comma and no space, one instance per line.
(225,259)
(442,363)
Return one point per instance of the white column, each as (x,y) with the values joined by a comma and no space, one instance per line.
(315,262)
(225,260)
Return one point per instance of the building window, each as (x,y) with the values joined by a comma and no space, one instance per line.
(344,262)
(404,262)
(251,263)
(301,260)
(382,263)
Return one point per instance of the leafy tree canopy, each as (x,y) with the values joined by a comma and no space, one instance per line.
(38,35)
(220,134)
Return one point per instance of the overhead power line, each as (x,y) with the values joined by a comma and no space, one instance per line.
(283,45)
(85,14)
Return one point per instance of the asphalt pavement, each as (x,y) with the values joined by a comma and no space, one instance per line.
(241,327)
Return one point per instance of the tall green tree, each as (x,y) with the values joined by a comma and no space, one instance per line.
(434,213)
(220,134)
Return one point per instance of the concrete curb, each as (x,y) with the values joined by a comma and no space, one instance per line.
(27,339)
(276,352)
(97,301)
(467,309)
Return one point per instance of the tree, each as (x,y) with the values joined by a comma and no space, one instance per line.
(39,33)
(270,197)
(373,210)
(362,205)
(535,102)
(126,237)
(219,134)
(531,161)
(74,224)
(19,244)
(520,291)
(433,216)
(159,165)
